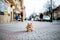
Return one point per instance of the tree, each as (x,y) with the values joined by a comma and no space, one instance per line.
(47,6)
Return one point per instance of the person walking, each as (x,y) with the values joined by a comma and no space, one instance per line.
(41,16)
(16,17)
(21,16)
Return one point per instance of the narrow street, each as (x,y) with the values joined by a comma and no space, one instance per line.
(42,31)
(44,15)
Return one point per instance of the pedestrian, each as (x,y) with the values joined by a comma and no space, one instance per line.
(41,16)
(21,16)
(16,17)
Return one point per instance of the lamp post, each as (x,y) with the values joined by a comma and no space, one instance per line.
(51,19)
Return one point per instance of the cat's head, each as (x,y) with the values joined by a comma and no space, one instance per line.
(29,24)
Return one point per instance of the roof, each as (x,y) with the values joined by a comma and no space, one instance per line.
(57,8)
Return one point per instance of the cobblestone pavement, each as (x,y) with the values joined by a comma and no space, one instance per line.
(42,31)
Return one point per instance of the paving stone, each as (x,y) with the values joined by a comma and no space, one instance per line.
(43,31)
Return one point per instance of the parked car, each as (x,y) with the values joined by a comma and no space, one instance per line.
(37,18)
(58,18)
(46,18)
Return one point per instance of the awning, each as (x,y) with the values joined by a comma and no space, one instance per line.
(12,2)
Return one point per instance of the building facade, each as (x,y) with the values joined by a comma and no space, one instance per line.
(8,8)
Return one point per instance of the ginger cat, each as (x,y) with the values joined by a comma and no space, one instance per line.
(29,27)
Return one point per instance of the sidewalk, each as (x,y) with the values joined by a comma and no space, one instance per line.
(17,31)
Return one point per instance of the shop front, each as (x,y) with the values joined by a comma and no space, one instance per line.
(4,12)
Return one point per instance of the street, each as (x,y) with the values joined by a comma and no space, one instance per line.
(42,31)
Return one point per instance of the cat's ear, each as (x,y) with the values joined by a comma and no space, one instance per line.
(30,23)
